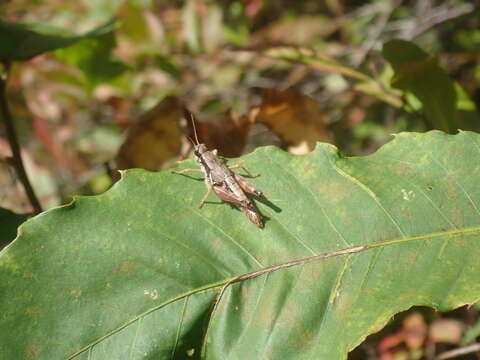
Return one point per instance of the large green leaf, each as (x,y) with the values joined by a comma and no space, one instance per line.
(23,41)
(9,222)
(419,74)
(136,272)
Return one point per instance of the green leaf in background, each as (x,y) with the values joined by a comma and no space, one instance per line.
(9,222)
(133,22)
(22,41)
(140,272)
(93,56)
(168,65)
(191,26)
(419,74)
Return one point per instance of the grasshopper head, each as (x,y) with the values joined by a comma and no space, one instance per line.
(199,150)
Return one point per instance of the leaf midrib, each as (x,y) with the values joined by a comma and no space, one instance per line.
(285,265)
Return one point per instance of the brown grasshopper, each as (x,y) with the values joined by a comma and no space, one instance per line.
(229,186)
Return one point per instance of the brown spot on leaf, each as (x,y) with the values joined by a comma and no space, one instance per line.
(32,349)
(76,293)
(32,312)
(127,267)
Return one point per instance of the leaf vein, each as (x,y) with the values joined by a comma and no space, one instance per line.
(315,200)
(456,181)
(372,195)
(179,329)
(135,338)
(270,269)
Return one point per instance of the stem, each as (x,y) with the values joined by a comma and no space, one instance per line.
(459,352)
(13,141)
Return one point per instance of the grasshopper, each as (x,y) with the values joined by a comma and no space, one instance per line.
(227,185)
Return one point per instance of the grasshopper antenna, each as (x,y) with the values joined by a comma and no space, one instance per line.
(190,139)
(194,128)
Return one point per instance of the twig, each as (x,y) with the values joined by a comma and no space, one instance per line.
(13,141)
(375,34)
(439,16)
(409,29)
(458,352)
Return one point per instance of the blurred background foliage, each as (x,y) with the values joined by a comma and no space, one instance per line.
(255,72)
(99,85)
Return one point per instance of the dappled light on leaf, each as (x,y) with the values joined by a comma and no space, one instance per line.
(420,74)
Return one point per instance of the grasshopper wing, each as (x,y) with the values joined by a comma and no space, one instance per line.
(224,193)
(246,205)
(247,186)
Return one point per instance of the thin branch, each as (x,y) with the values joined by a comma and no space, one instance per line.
(375,33)
(409,29)
(13,141)
(458,352)
(439,16)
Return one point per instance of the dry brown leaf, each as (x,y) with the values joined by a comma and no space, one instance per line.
(227,134)
(413,334)
(414,330)
(296,118)
(154,138)
(302,30)
(446,331)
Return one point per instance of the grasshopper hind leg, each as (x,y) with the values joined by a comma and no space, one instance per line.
(252,214)
(247,186)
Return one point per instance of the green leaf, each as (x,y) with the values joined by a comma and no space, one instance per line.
(93,56)
(419,74)
(9,222)
(168,65)
(191,26)
(22,41)
(136,272)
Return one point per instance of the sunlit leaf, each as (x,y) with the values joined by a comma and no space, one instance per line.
(419,74)
(141,273)
(23,41)
(93,56)
(191,26)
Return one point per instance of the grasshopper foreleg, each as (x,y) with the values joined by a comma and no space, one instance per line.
(187,170)
(209,187)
